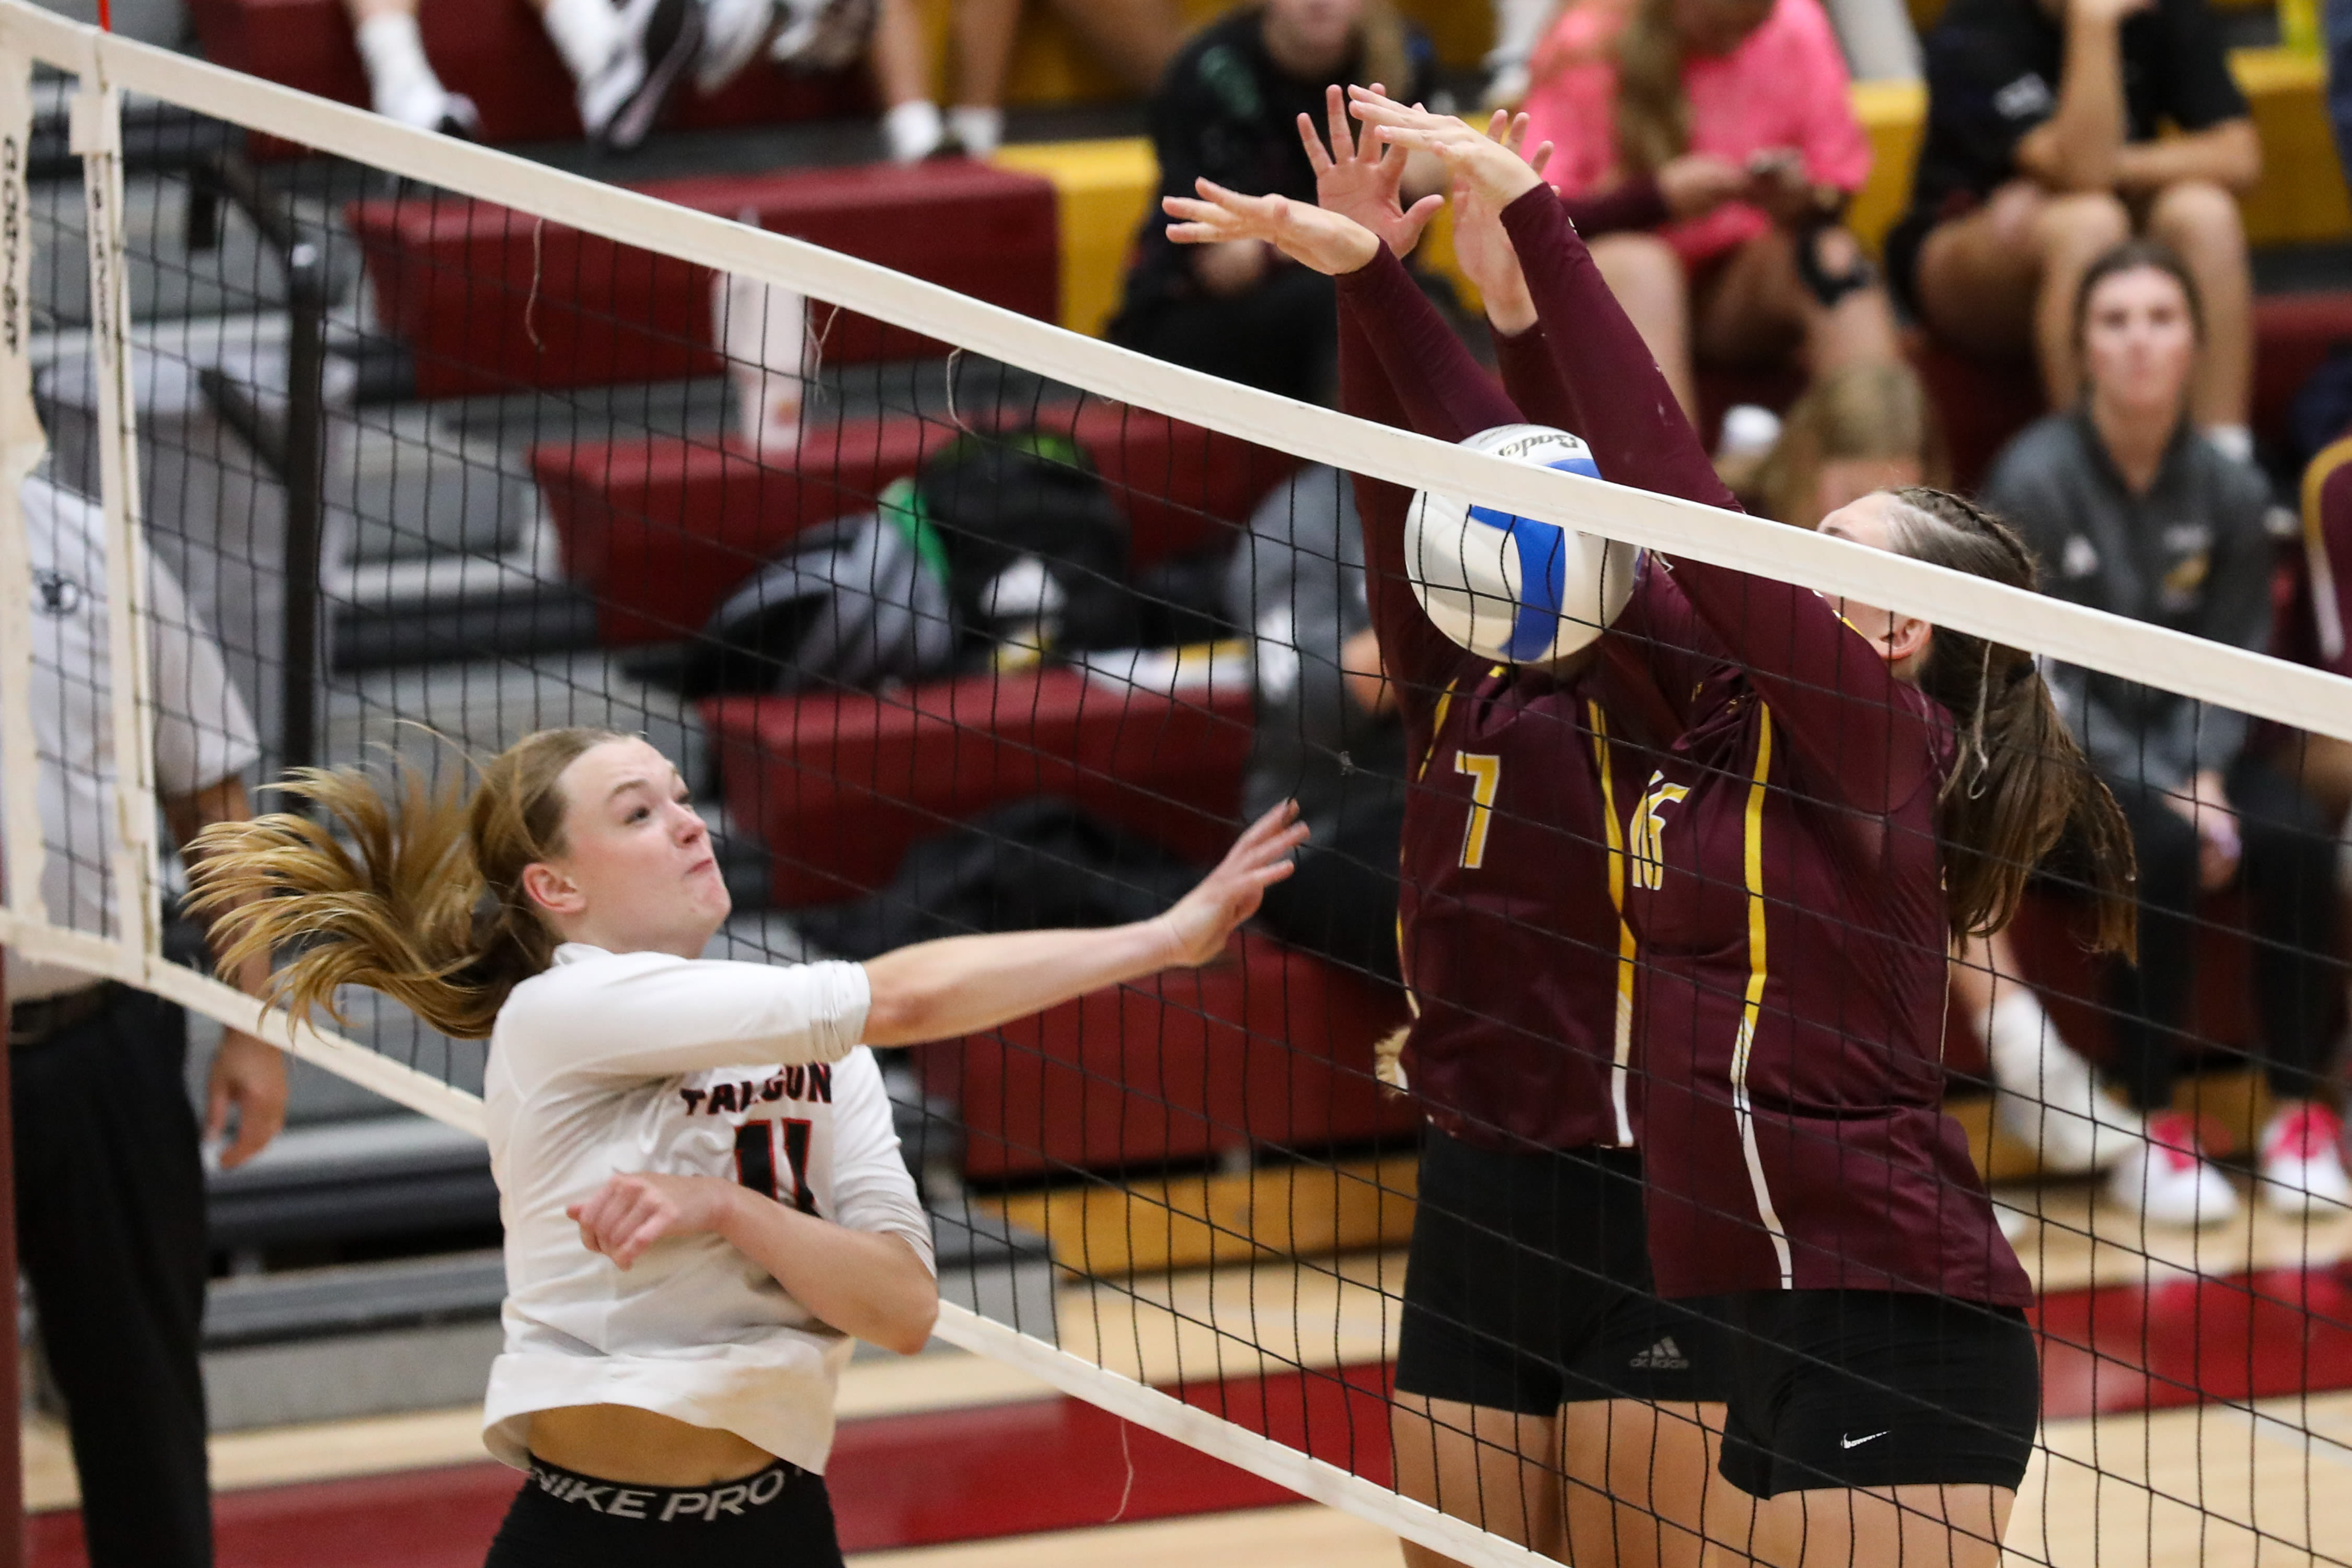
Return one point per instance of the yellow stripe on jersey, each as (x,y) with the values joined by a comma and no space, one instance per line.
(1759,972)
(1628,952)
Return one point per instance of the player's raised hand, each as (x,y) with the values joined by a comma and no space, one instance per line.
(1326,241)
(1496,170)
(1361,180)
(630,1212)
(1203,918)
(1480,244)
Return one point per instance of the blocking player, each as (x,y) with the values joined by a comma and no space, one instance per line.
(1543,1390)
(1855,787)
(702,1194)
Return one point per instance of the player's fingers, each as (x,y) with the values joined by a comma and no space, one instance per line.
(1318,158)
(1417,216)
(1335,114)
(1542,157)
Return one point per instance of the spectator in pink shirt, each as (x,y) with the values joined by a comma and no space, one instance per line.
(1738,111)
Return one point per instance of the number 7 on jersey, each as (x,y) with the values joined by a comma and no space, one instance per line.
(1485,774)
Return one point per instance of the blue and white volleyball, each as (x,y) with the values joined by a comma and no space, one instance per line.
(1508,587)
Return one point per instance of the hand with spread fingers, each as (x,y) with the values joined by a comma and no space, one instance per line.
(1480,244)
(1326,241)
(1471,158)
(1361,179)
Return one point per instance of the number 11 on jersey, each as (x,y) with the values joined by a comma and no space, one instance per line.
(1485,774)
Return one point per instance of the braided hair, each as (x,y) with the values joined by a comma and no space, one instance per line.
(2021,782)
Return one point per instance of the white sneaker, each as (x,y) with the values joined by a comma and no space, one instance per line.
(823,35)
(2170,1182)
(732,34)
(2057,1111)
(2303,1161)
(621,102)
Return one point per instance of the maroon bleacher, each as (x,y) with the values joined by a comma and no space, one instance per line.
(494,52)
(659,532)
(837,785)
(489,299)
(1265,1047)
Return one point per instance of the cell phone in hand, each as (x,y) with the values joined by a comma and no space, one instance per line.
(1776,164)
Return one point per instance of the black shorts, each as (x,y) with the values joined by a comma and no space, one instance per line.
(780,1518)
(1527,1286)
(1875,1388)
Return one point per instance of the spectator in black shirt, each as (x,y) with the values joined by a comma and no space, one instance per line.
(1228,110)
(2041,153)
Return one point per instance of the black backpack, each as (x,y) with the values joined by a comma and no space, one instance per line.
(996,500)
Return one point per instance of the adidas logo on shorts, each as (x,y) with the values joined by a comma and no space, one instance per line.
(1663,1356)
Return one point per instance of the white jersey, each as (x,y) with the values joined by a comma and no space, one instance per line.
(613,1063)
(203,732)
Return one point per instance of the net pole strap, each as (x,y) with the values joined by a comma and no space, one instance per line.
(2251,683)
(1310,1477)
(97,138)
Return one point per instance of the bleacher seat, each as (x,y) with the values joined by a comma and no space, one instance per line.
(1267,1046)
(489,299)
(837,785)
(494,52)
(660,531)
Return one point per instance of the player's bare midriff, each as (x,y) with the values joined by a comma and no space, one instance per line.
(621,1443)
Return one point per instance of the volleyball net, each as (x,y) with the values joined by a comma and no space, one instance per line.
(955,620)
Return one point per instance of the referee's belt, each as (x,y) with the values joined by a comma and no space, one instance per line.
(43,1018)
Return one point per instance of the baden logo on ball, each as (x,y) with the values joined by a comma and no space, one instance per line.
(1510,588)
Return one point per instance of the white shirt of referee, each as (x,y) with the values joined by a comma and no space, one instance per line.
(203,732)
(607,1064)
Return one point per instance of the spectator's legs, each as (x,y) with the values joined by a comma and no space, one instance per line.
(984,31)
(626,59)
(2289,868)
(402,84)
(2201,222)
(912,129)
(2290,878)
(2150,999)
(1136,38)
(111,1229)
(1755,307)
(2047,1096)
(2003,279)
(1647,277)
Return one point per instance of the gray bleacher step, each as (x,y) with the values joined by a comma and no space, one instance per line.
(375,1338)
(347,1181)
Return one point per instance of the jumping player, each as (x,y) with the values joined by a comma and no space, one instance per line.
(1542,1389)
(702,1194)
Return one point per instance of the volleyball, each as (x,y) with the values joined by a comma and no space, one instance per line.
(1506,586)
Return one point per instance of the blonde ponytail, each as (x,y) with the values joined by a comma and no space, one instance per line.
(413,892)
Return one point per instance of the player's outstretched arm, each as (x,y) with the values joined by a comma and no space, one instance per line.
(1329,242)
(938,990)
(1364,180)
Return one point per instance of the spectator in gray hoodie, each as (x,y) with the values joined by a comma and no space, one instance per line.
(1329,734)
(2133,512)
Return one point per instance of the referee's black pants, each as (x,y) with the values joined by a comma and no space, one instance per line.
(110,1236)
(2287,867)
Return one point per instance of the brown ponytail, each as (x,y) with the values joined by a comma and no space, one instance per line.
(1652,111)
(2022,782)
(420,897)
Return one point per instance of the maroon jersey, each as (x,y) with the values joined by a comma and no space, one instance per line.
(1786,887)
(1508,928)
